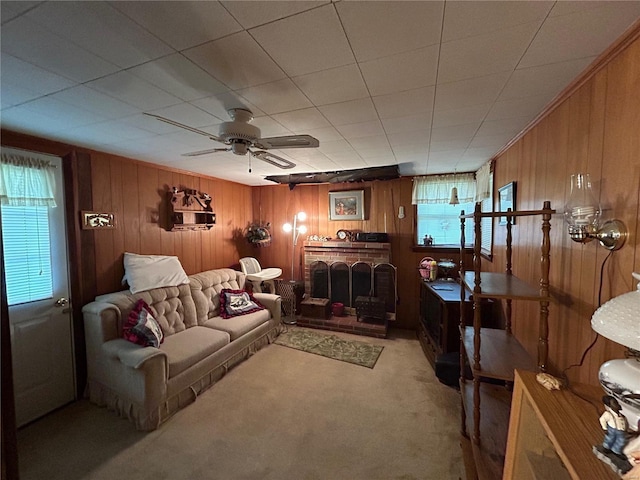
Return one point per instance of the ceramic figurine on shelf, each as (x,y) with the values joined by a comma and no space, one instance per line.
(614,423)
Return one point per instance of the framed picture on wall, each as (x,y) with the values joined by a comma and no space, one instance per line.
(507,199)
(347,205)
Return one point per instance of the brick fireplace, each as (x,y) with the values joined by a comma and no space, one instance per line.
(343,262)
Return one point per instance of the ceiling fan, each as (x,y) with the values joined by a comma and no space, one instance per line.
(240,136)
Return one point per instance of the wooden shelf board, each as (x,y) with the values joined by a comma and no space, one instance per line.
(495,404)
(558,409)
(501,285)
(500,353)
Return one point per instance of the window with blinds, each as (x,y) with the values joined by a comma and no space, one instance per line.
(27,253)
(441,221)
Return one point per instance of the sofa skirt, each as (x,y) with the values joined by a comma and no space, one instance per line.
(148,419)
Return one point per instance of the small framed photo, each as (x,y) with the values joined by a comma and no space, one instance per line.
(507,199)
(98,220)
(347,205)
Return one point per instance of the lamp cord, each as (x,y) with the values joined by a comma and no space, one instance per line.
(588,349)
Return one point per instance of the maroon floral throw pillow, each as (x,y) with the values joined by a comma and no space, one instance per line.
(142,328)
(237,302)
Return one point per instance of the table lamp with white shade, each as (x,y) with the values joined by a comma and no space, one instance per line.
(619,321)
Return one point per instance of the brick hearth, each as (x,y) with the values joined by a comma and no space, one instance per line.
(347,324)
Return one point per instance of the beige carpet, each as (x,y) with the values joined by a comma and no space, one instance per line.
(283,414)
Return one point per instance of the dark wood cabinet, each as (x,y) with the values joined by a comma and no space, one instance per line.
(438,330)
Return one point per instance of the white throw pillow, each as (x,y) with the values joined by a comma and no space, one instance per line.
(144,272)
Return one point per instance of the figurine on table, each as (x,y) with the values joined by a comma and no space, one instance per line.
(614,423)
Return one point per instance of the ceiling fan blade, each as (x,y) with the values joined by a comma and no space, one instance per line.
(185,127)
(205,152)
(289,141)
(273,159)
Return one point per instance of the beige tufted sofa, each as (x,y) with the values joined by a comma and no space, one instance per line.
(147,385)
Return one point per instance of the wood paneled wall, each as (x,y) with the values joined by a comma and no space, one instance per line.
(595,130)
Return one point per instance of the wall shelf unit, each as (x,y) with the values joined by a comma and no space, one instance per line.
(191,210)
(494,354)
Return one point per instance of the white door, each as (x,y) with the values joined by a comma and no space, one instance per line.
(36,270)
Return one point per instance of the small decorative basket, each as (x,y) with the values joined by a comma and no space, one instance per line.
(424,267)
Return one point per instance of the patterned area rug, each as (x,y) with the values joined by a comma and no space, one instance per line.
(331,346)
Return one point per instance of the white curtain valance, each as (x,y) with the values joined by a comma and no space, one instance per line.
(26,181)
(437,188)
(483,182)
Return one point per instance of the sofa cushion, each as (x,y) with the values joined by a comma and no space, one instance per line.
(191,346)
(206,288)
(234,303)
(238,326)
(142,328)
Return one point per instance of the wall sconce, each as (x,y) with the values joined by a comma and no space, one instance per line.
(617,320)
(582,214)
(296,231)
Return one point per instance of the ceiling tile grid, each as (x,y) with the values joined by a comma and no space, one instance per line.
(433,87)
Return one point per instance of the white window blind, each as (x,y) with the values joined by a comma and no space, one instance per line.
(27,253)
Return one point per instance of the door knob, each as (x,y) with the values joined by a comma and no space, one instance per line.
(62,302)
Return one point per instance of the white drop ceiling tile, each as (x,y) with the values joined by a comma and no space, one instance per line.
(492,141)
(302,120)
(411,102)
(102,30)
(411,123)
(494,52)
(364,129)
(354,111)
(510,126)
(380,161)
(466,164)
(184,141)
(517,107)
(11,10)
(448,145)
(26,40)
(585,33)
(480,153)
(152,125)
(378,142)
(546,80)
(455,132)
(324,134)
(451,157)
(404,71)
(187,114)
(251,13)
(179,76)
(270,127)
(460,116)
(13,95)
(410,139)
(466,93)
(134,90)
(94,101)
(307,42)
(181,24)
(219,104)
(467,19)
(31,78)
(567,7)
(333,85)
(124,131)
(91,134)
(237,61)
(276,97)
(334,146)
(63,114)
(24,120)
(415,25)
